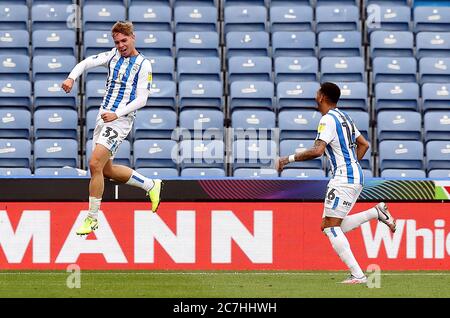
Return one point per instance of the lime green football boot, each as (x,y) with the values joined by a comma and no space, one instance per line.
(88,226)
(155,194)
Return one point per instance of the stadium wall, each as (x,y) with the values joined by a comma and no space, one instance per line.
(274,232)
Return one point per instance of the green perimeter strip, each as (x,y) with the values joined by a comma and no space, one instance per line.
(440,193)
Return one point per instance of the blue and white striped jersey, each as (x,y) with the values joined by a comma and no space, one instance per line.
(337,129)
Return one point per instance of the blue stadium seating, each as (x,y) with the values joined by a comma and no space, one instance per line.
(95,42)
(154,43)
(437,125)
(399,69)
(95,90)
(338,17)
(200,94)
(253,124)
(202,154)
(399,125)
(54,42)
(439,173)
(102,16)
(291,17)
(334,43)
(199,68)
(438,155)
(91,120)
(297,95)
(432,44)
(203,173)
(52,16)
(431,19)
(250,94)
(435,96)
(151,16)
(163,68)
(55,153)
(434,70)
(197,43)
(158,172)
(154,123)
(293,44)
(361,120)
(155,154)
(391,96)
(398,173)
(15,123)
(391,17)
(366,162)
(13,16)
(122,157)
(55,123)
(303,173)
(56,172)
(251,44)
(245,18)
(14,42)
(243,68)
(163,94)
(14,67)
(288,147)
(249,173)
(52,67)
(48,93)
(298,124)
(343,69)
(15,93)
(15,172)
(292,69)
(354,96)
(192,17)
(15,153)
(253,153)
(201,124)
(391,44)
(394,154)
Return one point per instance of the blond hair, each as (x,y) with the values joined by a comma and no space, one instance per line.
(124,27)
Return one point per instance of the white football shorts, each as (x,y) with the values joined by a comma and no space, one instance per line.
(340,198)
(112,134)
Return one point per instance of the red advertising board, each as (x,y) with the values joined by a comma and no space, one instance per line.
(216,236)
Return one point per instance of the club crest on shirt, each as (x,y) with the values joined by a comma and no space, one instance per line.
(149,77)
(321,127)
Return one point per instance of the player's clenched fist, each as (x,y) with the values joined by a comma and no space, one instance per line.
(67,85)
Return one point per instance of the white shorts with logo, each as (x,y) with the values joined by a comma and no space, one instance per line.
(113,133)
(340,198)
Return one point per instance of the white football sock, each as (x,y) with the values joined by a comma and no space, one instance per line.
(94,206)
(353,221)
(342,247)
(138,180)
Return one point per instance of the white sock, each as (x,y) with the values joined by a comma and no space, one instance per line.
(138,180)
(342,247)
(353,221)
(94,206)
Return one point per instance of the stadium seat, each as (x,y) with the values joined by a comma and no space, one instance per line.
(288,147)
(122,157)
(254,153)
(389,69)
(102,16)
(335,2)
(243,68)
(202,173)
(155,154)
(14,42)
(391,44)
(52,67)
(206,124)
(48,93)
(432,19)
(15,123)
(163,68)
(388,2)
(154,123)
(95,42)
(303,173)
(54,42)
(247,44)
(432,44)
(52,16)
(202,154)
(292,69)
(196,44)
(339,17)
(200,94)
(151,16)
(391,17)
(15,172)
(361,121)
(13,16)
(163,94)
(250,94)
(14,67)
(248,173)
(245,18)
(434,70)
(158,172)
(333,43)
(391,96)
(366,161)
(15,93)
(192,17)
(399,125)
(395,154)
(354,96)
(342,69)
(253,124)
(154,43)
(199,68)
(291,17)
(56,172)
(437,174)
(298,124)
(437,125)
(293,44)
(297,95)
(435,96)
(91,121)
(94,93)
(15,153)
(55,153)
(55,123)
(398,173)
(438,155)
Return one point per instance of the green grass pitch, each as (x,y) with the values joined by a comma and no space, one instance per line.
(219,284)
